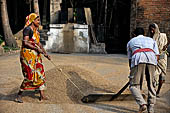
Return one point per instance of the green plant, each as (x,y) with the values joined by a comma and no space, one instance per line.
(1,41)
(7,48)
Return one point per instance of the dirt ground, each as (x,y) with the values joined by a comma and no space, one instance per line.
(90,72)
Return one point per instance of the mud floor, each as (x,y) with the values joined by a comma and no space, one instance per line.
(91,73)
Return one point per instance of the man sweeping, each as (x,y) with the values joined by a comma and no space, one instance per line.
(143,54)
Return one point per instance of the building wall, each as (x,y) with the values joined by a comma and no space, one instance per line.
(144,12)
(68,38)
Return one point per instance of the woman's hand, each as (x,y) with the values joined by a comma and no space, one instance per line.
(39,50)
(158,57)
(165,47)
(47,56)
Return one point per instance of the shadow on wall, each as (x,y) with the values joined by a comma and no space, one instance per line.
(68,38)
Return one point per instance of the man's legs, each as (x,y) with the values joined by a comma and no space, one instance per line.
(135,90)
(151,83)
(136,75)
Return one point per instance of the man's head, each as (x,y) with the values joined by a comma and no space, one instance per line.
(139,31)
(152,29)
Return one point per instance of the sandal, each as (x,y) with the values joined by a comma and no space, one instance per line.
(18,99)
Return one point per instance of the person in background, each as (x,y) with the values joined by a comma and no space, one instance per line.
(162,42)
(142,54)
(30,58)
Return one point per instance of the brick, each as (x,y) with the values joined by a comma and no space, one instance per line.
(149,11)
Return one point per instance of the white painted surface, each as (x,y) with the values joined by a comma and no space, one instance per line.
(56,43)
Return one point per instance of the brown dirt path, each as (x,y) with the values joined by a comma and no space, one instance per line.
(103,73)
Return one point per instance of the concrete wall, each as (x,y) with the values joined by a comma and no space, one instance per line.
(68,38)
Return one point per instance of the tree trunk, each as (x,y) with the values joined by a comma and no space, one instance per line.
(90,23)
(105,15)
(105,19)
(36,7)
(36,10)
(111,13)
(101,12)
(9,37)
(44,17)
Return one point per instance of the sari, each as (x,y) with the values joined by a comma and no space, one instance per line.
(31,62)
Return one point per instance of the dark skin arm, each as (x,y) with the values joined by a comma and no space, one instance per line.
(39,48)
(44,52)
(129,63)
(157,57)
(28,44)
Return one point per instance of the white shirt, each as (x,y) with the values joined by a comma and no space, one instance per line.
(142,57)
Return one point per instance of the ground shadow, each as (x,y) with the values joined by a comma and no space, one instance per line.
(74,93)
(13,94)
(112,108)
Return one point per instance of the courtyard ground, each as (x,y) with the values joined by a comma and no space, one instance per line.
(90,72)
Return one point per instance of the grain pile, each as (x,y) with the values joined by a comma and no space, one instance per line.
(61,90)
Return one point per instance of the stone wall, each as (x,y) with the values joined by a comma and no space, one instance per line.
(144,12)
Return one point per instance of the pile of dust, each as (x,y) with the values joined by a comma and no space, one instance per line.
(61,90)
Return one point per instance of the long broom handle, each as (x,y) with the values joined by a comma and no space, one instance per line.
(120,91)
(124,87)
(59,69)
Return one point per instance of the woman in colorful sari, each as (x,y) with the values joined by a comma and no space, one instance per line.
(162,42)
(30,58)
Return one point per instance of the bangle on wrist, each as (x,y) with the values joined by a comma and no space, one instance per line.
(45,55)
(36,48)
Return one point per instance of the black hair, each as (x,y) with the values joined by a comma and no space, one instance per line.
(152,26)
(139,31)
(36,17)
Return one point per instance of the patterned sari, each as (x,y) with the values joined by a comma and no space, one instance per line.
(32,66)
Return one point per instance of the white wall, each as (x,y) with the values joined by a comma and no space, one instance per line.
(69,38)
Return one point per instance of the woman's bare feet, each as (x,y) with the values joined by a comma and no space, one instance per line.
(42,96)
(19,97)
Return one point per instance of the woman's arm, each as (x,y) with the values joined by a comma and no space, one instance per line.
(40,45)
(44,52)
(28,44)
